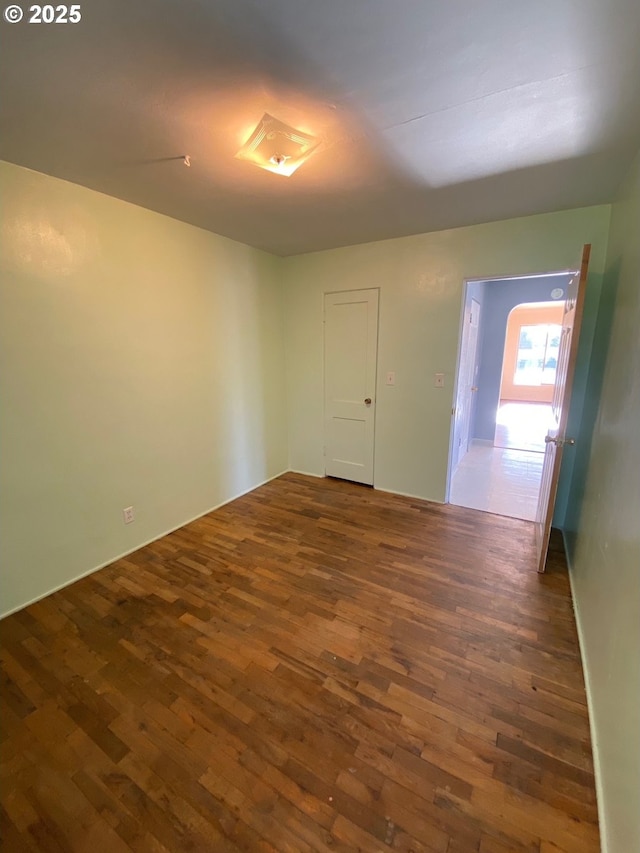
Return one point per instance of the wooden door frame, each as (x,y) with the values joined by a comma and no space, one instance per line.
(562,398)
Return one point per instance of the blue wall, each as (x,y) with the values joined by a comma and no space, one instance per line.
(500,297)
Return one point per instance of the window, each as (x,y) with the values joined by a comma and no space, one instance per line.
(537,359)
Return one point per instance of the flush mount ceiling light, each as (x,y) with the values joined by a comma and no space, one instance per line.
(277,146)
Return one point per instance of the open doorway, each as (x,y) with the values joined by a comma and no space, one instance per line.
(495,463)
(529,362)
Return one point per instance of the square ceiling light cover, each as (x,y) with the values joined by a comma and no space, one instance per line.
(277,146)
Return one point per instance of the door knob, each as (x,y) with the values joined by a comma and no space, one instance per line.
(367,401)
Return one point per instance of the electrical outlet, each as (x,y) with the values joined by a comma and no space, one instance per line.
(127,514)
(439,380)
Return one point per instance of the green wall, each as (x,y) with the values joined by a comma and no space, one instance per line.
(421,282)
(141,363)
(602,531)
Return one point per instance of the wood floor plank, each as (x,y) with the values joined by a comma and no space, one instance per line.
(316,666)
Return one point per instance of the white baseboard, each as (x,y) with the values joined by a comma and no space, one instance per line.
(376,488)
(305,473)
(409,495)
(587,685)
(137,547)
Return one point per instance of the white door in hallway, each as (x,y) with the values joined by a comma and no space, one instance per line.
(557,437)
(350,357)
(467,377)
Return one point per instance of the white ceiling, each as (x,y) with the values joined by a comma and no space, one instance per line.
(432,113)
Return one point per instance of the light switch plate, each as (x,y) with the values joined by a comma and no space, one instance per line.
(391,377)
(439,380)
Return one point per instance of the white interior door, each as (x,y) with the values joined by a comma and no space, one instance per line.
(350,357)
(466,382)
(556,437)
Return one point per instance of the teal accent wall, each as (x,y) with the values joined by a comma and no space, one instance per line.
(602,530)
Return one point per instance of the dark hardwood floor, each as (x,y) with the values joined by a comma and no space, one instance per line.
(315,667)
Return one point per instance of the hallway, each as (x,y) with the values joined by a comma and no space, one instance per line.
(504,478)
